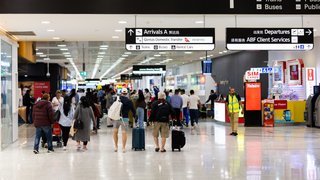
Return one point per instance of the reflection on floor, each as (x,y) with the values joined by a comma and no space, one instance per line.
(210,153)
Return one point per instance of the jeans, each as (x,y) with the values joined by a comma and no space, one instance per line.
(140,114)
(186,114)
(48,132)
(194,115)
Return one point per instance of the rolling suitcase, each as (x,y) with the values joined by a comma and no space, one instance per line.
(178,139)
(138,139)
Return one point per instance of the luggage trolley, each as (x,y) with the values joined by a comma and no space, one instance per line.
(57,134)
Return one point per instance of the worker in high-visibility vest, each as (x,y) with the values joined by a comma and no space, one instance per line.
(233,108)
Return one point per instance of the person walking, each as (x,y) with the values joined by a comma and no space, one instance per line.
(234,103)
(84,112)
(66,119)
(160,112)
(27,101)
(185,106)
(127,106)
(57,101)
(213,96)
(194,108)
(42,120)
(141,106)
(176,103)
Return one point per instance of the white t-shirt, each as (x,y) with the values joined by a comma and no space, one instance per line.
(194,99)
(185,100)
(57,103)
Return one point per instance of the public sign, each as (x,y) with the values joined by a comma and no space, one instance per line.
(170,39)
(263,70)
(83,73)
(310,76)
(252,75)
(253,96)
(280,104)
(293,39)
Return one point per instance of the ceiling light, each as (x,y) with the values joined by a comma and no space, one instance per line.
(225,51)
(62,45)
(64,49)
(199,22)
(100,56)
(162,53)
(157,55)
(125,55)
(188,52)
(112,67)
(46,59)
(43,55)
(70,59)
(104,46)
(122,22)
(51,30)
(56,38)
(36,50)
(200,58)
(158,63)
(118,30)
(39,53)
(102,53)
(25,75)
(115,37)
(45,22)
(314,30)
(220,52)
(169,59)
(66,53)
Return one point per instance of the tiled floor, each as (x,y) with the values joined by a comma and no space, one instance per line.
(210,153)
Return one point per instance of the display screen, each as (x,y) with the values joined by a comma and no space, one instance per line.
(294,72)
(277,73)
(207,67)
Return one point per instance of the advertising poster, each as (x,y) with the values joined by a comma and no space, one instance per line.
(253,96)
(310,80)
(40,86)
(268,115)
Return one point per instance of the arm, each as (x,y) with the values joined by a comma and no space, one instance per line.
(132,109)
(76,113)
(91,114)
(209,98)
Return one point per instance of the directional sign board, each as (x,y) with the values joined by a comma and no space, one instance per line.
(170,39)
(296,39)
(263,70)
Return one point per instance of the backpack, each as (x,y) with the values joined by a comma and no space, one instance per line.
(114,112)
(162,112)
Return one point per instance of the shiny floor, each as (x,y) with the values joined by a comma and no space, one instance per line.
(210,153)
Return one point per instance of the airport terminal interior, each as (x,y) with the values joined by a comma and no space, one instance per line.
(233,88)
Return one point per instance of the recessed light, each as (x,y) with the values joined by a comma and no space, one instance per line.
(45,22)
(43,55)
(225,51)
(100,56)
(25,75)
(157,55)
(102,53)
(125,55)
(169,59)
(36,50)
(39,53)
(122,22)
(118,30)
(70,59)
(62,45)
(64,49)
(199,22)
(104,46)
(220,52)
(115,37)
(46,59)
(56,38)
(162,53)
(188,52)
(51,30)
(66,53)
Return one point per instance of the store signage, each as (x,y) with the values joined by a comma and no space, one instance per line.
(310,80)
(252,75)
(294,39)
(253,96)
(280,104)
(161,7)
(263,70)
(268,115)
(39,87)
(149,70)
(170,39)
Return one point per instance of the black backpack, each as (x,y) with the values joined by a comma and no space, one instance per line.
(162,112)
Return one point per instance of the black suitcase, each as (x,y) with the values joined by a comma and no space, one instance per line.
(178,139)
(138,139)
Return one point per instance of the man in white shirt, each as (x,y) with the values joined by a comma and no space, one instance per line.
(194,102)
(185,104)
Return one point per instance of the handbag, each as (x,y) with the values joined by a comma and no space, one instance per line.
(78,124)
(57,115)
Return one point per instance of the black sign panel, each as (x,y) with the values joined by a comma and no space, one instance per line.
(149,70)
(296,39)
(170,39)
(161,7)
(124,77)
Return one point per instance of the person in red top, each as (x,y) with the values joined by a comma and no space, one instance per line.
(43,119)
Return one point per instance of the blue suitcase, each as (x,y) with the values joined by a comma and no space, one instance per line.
(138,139)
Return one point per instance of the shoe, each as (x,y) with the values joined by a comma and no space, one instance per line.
(35,151)
(50,150)
(85,148)
(123,150)
(157,149)
(78,147)
(231,134)
(235,134)
(64,148)
(115,150)
(163,150)
(45,145)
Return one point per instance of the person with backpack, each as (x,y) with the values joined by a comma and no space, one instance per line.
(66,119)
(160,112)
(121,107)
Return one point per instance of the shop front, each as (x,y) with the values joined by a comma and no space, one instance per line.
(8,86)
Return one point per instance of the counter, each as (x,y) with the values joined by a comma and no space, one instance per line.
(220,112)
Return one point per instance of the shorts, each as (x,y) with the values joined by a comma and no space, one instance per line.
(124,123)
(161,127)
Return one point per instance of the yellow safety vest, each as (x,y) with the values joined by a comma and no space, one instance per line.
(233,104)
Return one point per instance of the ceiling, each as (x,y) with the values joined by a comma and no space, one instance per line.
(83,36)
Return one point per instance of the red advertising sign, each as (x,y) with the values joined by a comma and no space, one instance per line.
(280,104)
(40,86)
(310,74)
(268,114)
(253,96)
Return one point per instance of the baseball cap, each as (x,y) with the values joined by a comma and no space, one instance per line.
(124,91)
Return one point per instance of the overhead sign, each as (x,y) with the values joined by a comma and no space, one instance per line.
(83,73)
(161,7)
(252,75)
(263,70)
(296,39)
(149,70)
(130,77)
(310,80)
(170,39)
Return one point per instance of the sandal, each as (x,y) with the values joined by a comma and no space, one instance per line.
(163,150)
(157,149)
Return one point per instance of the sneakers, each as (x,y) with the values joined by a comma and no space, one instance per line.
(157,149)
(50,150)
(233,134)
(35,151)
(64,148)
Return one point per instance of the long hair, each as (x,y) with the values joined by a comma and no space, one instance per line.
(84,102)
(66,105)
(141,96)
(72,94)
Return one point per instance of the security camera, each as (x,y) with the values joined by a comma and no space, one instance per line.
(48,74)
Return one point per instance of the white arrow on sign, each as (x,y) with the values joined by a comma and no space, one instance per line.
(309,32)
(130,32)
(231,4)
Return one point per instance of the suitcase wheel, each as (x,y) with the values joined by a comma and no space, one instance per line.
(59,144)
